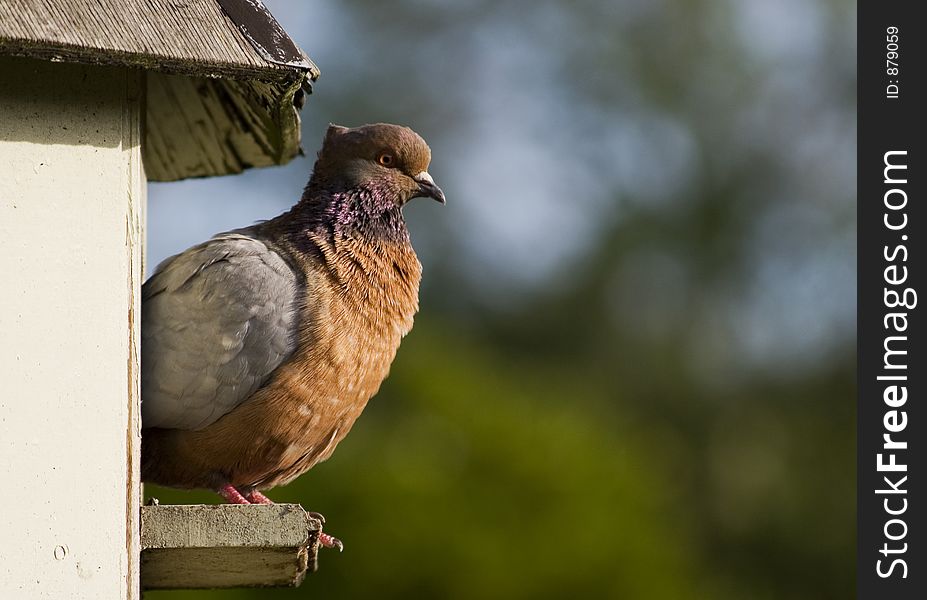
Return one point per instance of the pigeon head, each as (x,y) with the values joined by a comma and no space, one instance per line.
(386,162)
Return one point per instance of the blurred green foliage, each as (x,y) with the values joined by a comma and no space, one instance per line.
(667,412)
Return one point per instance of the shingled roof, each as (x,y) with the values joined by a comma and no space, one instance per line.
(225,82)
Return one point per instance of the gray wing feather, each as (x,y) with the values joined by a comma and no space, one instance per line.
(216,321)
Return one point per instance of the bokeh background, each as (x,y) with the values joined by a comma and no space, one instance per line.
(633,371)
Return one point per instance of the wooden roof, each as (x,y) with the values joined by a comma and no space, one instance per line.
(225,81)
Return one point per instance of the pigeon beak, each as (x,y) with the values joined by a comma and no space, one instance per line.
(427,188)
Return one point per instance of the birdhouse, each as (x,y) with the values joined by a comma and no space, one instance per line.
(96,98)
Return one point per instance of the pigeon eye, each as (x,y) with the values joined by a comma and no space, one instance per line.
(386,160)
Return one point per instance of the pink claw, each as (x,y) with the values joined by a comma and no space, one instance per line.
(231,495)
(328,541)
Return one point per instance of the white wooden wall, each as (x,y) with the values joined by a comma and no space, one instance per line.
(72,198)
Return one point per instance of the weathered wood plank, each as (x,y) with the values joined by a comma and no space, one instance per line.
(198,127)
(180,36)
(216,546)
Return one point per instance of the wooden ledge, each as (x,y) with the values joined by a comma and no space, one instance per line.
(225,545)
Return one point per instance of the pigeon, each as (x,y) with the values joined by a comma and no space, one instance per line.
(262,345)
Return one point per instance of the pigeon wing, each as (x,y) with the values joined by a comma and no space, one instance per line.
(216,321)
